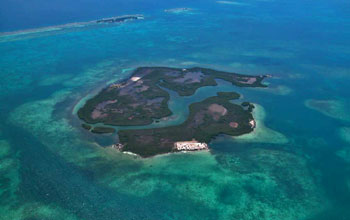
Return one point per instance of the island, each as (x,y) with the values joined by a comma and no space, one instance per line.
(142,99)
(120,19)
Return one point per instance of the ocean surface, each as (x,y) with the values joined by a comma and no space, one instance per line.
(294,166)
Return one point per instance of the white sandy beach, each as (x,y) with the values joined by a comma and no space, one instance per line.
(261,133)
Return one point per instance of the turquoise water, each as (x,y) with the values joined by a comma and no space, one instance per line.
(296,165)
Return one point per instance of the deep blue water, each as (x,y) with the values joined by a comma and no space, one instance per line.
(296,167)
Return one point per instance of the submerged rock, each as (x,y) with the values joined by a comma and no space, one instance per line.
(344,154)
(277,184)
(344,134)
(338,109)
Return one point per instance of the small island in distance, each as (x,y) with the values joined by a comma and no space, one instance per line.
(142,99)
(120,19)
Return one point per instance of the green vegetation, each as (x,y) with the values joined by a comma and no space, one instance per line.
(248,105)
(207,119)
(140,99)
(229,95)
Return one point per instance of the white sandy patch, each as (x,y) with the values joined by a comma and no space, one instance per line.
(261,133)
(135,78)
(130,153)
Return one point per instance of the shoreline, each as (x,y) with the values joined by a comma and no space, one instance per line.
(137,156)
(118,105)
(261,133)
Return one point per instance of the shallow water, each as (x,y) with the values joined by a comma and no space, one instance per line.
(294,166)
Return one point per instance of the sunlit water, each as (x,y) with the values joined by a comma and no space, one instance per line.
(295,165)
